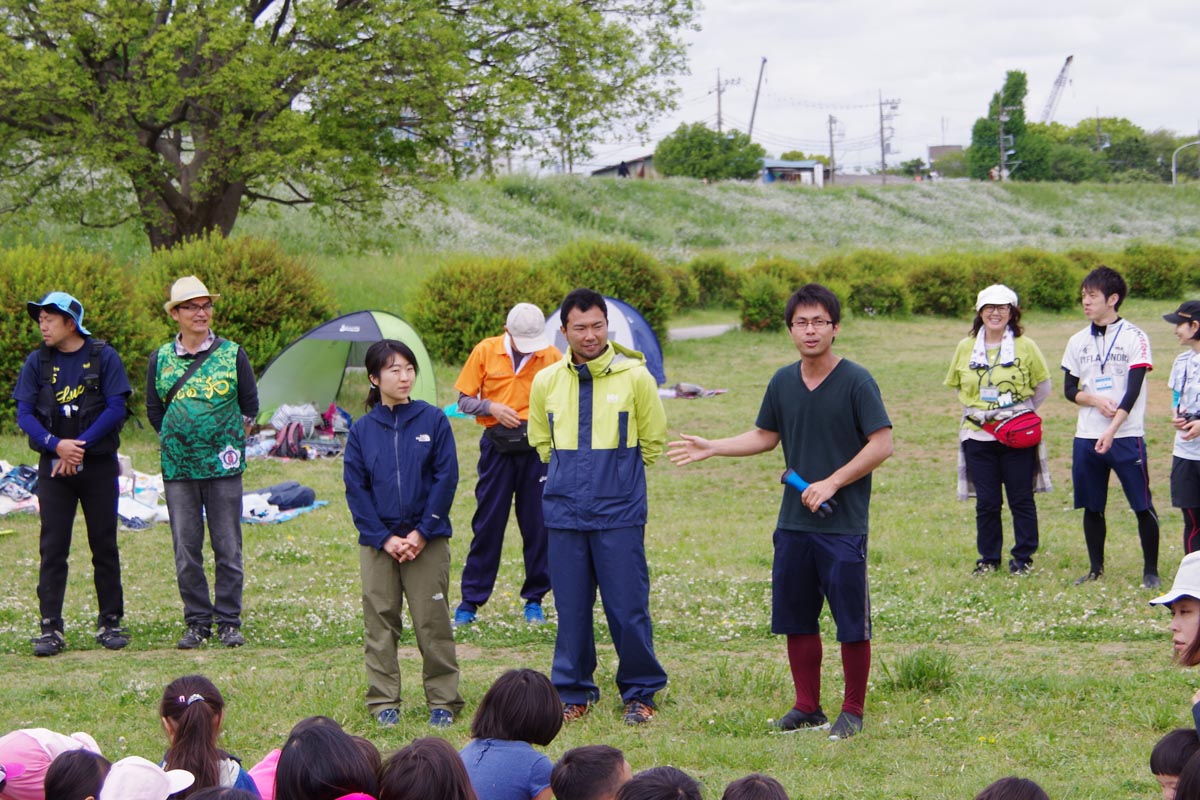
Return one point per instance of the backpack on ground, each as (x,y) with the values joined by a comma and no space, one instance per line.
(289,441)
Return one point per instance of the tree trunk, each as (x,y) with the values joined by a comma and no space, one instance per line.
(167,224)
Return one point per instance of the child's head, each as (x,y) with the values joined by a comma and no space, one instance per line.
(322,762)
(591,772)
(660,783)
(1169,756)
(1013,788)
(392,368)
(755,787)
(427,768)
(76,775)
(135,778)
(192,709)
(26,756)
(1185,610)
(521,706)
(1101,284)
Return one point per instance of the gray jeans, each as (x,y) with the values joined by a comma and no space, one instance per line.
(220,500)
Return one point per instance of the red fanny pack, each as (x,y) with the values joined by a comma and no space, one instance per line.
(1023,430)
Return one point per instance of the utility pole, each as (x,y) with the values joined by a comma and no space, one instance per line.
(1003,117)
(718,100)
(754,108)
(884,133)
(1099,144)
(832,163)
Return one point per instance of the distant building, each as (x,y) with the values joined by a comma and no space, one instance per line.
(809,172)
(641,167)
(936,151)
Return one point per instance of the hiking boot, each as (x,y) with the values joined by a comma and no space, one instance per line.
(440,718)
(388,718)
(1020,567)
(1151,581)
(985,568)
(846,725)
(638,713)
(112,637)
(797,720)
(50,643)
(1093,575)
(574,711)
(534,614)
(193,637)
(231,636)
(463,616)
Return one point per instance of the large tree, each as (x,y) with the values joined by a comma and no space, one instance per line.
(1009,103)
(697,151)
(180,113)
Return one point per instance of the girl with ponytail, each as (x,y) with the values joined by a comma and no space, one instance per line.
(192,710)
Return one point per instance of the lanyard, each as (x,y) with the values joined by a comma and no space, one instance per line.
(1117,332)
(993,365)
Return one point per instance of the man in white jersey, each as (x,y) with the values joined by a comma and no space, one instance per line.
(1185,413)
(1106,365)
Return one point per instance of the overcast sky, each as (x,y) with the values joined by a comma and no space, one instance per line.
(942,61)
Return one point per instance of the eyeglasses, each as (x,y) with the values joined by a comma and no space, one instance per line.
(802,324)
(1004,308)
(192,308)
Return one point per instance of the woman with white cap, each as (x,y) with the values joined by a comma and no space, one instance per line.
(999,374)
(1184,603)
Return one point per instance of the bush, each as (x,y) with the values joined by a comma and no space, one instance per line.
(942,285)
(1152,271)
(622,271)
(885,295)
(267,297)
(687,290)
(1042,280)
(466,301)
(791,274)
(717,281)
(761,303)
(102,286)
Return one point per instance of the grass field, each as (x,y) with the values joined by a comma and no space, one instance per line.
(974,678)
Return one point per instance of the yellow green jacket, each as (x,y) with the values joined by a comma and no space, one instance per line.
(597,425)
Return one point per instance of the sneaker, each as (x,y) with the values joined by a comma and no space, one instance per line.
(1020,567)
(534,614)
(846,725)
(113,637)
(463,616)
(440,718)
(574,711)
(985,567)
(1093,575)
(50,643)
(193,637)
(231,636)
(797,720)
(388,718)
(638,713)
(1151,581)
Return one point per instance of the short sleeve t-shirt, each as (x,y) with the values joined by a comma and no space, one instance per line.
(821,430)
(1185,383)
(1101,362)
(1012,383)
(505,770)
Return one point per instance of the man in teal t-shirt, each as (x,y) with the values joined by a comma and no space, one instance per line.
(200,391)
(829,415)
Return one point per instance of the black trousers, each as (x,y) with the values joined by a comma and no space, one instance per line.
(95,489)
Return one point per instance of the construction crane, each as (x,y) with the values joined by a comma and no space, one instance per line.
(1056,91)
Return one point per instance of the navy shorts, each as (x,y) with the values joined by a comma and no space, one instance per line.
(811,568)
(1185,483)
(1090,470)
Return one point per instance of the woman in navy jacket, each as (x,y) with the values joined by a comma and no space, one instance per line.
(401,470)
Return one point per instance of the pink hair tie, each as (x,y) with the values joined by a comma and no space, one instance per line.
(356,796)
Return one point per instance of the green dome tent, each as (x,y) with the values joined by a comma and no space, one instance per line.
(312,368)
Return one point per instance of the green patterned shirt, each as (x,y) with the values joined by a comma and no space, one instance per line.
(202,434)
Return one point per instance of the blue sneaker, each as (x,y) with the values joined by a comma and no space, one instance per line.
(440,718)
(533,613)
(463,617)
(388,718)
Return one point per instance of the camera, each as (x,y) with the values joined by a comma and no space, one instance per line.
(1191,416)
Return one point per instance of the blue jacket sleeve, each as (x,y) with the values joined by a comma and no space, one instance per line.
(28,422)
(357,476)
(435,519)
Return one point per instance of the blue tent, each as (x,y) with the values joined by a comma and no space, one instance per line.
(626,327)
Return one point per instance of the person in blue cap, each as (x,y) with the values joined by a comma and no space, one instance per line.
(71,402)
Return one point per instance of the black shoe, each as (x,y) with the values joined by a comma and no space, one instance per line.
(1020,567)
(797,720)
(847,725)
(231,636)
(1151,581)
(113,637)
(985,567)
(193,637)
(50,643)
(1093,575)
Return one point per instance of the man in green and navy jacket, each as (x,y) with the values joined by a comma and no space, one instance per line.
(596,418)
